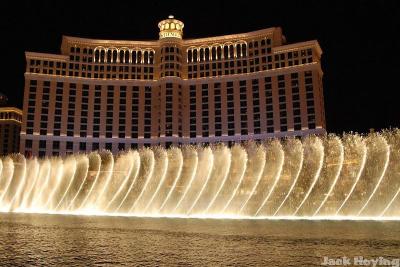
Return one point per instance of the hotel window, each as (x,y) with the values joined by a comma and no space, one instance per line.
(310,99)
(135,113)
(280,60)
(31,106)
(122,111)
(45,105)
(244,50)
(28,143)
(231,109)
(256,106)
(309,55)
(109,146)
(82,146)
(134,146)
(96,110)
(71,113)
(110,111)
(180,111)
(269,104)
(243,104)
(296,101)
(147,112)
(121,146)
(205,111)
(95,146)
(84,107)
(168,109)
(217,108)
(42,144)
(192,92)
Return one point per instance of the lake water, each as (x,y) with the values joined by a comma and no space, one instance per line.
(70,240)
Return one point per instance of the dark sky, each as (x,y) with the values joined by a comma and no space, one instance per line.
(359,40)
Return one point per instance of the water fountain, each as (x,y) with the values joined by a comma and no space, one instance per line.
(329,177)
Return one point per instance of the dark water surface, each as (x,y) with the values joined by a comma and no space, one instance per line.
(67,240)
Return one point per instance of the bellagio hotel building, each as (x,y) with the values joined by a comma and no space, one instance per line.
(115,95)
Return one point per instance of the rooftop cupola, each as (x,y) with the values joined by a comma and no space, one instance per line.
(171,28)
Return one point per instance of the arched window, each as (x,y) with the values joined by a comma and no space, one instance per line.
(226,52)
(195,55)
(231,52)
(97,56)
(126,56)
(146,57)
(102,56)
(219,52)
(207,54)
(114,55)
(238,50)
(134,57)
(121,56)
(139,57)
(151,57)
(201,54)
(109,56)
(244,50)
(214,53)
(190,56)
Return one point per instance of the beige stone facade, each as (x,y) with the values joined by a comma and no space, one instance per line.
(106,94)
(10,127)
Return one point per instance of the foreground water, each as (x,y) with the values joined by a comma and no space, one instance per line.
(67,240)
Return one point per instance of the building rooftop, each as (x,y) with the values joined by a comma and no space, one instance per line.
(11,109)
(8,114)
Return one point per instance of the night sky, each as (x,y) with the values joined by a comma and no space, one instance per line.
(359,39)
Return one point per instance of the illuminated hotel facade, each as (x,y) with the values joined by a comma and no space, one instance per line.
(10,127)
(106,94)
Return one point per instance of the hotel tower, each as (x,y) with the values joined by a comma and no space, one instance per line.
(115,95)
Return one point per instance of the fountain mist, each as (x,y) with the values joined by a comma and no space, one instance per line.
(320,177)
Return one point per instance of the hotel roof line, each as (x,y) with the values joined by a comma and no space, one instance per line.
(50,56)
(275,49)
(11,109)
(296,46)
